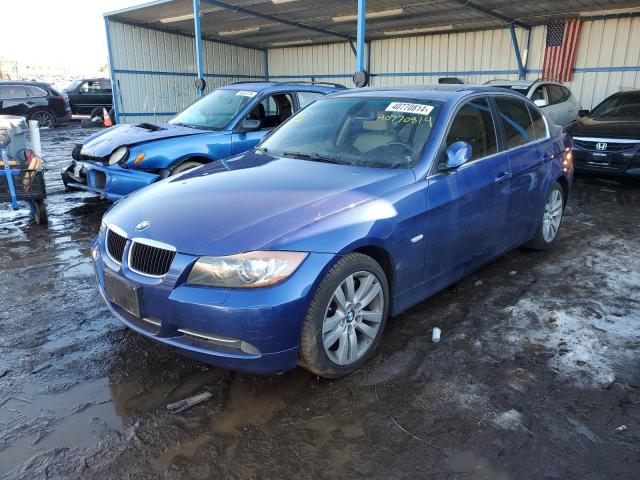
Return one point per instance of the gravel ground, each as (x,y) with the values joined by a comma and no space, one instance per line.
(537,368)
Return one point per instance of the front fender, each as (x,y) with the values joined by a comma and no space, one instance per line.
(167,153)
(394,223)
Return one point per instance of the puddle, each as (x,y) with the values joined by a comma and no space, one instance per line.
(35,423)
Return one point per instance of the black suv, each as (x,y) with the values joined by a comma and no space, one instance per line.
(35,101)
(89,96)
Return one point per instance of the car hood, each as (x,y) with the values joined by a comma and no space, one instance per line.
(608,128)
(104,143)
(248,202)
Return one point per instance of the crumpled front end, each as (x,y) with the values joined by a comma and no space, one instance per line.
(110,182)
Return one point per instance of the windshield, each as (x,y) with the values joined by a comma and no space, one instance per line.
(216,110)
(73,85)
(619,106)
(370,132)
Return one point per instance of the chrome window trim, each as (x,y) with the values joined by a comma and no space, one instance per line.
(436,173)
(606,140)
(150,243)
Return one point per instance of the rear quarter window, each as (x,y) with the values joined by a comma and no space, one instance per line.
(36,92)
(539,125)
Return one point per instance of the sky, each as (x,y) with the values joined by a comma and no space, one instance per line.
(55,32)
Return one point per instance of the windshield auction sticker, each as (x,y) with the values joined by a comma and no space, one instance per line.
(415,108)
(246,93)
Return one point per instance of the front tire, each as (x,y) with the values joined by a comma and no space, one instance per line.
(346,317)
(184,166)
(550,220)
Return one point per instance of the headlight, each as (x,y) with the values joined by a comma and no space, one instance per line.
(245,270)
(118,155)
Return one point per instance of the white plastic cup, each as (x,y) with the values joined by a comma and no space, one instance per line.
(435,336)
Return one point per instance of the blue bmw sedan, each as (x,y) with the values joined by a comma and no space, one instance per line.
(358,207)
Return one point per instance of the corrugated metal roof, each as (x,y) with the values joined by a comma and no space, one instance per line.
(403,17)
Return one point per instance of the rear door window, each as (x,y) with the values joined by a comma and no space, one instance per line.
(474,125)
(556,95)
(516,121)
(105,85)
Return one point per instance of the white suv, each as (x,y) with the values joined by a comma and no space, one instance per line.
(555,99)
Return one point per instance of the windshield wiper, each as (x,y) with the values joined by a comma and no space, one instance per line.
(310,156)
(264,150)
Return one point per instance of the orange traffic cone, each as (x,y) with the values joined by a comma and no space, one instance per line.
(106,118)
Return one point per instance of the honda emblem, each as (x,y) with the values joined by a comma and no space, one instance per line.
(601,146)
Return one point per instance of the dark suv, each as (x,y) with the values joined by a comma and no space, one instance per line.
(89,96)
(35,101)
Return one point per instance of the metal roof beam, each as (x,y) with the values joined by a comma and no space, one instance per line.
(491,13)
(253,13)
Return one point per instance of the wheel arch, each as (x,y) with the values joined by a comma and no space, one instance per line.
(564,183)
(191,158)
(383,257)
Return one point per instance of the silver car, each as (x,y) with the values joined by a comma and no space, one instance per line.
(555,99)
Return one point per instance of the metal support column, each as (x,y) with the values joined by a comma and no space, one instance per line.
(198,38)
(362,11)
(112,73)
(265,59)
(516,48)
(526,54)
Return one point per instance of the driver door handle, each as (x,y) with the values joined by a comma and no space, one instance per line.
(503,177)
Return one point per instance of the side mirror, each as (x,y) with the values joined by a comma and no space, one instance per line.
(583,113)
(458,154)
(541,102)
(250,125)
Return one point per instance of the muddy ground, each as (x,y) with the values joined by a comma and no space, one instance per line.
(538,365)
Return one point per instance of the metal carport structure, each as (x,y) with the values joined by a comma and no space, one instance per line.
(158,50)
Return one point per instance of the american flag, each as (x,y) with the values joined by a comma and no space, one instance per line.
(560,50)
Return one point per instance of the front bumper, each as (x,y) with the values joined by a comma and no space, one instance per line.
(626,163)
(268,319)
(111,183)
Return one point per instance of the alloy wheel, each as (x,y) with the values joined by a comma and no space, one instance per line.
(353,318)
(44,119)
(552,216)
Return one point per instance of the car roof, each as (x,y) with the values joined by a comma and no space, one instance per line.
(441,92)
(261,86)
(24,83)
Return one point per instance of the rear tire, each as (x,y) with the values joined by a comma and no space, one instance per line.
(550,219)
(96,112)
(45,118)
(184,166)
(337,339)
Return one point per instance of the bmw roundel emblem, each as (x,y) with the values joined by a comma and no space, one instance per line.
(143,225)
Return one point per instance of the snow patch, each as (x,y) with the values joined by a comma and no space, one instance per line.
(594,331)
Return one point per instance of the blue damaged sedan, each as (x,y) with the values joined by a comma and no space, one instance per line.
(358,207)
